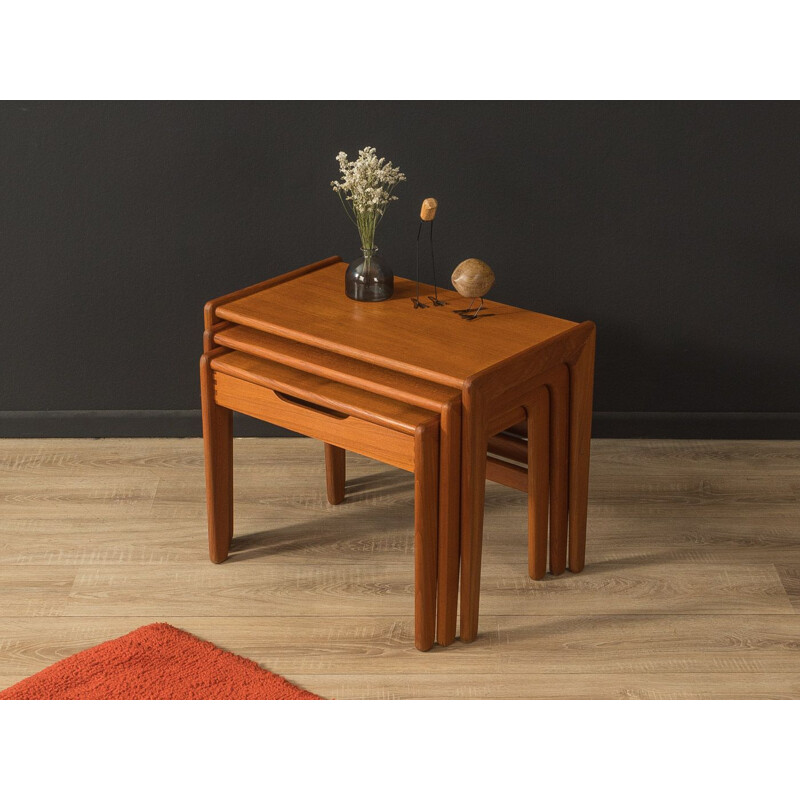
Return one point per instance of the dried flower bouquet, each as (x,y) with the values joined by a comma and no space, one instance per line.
(365,190)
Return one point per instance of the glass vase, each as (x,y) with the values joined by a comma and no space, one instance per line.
(367,279)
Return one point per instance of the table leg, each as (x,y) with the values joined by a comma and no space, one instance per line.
(474,442)
(581,387)
(218,447)
(538,424)
(335,471)
(449,521)
(559,471)
(426,520)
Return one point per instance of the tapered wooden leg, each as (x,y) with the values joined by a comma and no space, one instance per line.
(335,466)
(426,520)
(581,387)
(538,482)
(449,521)
(559,471)
(218,446)
(473,488)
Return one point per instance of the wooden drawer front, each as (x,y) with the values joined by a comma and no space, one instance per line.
(366,438)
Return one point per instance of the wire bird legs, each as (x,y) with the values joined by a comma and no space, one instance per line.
(427,214)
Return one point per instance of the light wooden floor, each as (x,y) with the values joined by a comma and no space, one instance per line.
(691,590)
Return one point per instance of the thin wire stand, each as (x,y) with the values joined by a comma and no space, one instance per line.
(416,300)
(435,299)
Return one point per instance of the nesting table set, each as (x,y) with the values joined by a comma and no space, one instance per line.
(507,396)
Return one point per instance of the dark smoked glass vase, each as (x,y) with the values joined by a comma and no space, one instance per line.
(367,279)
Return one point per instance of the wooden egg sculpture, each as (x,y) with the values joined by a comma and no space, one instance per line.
(472,278)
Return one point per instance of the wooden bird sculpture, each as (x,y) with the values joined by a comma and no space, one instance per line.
(472,278)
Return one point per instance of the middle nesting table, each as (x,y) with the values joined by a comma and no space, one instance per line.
(397,419)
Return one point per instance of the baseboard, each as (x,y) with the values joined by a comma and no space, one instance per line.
(606,425)
(695,425)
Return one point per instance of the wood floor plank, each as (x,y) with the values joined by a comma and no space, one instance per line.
(34,593)
(667,456)
(73,458)
(336,537)
(251,585)
(790,578)
(667,686)
(547,646)
(327,537)
(674,588)
(58,498)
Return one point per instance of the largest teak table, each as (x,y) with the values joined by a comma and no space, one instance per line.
(497,363)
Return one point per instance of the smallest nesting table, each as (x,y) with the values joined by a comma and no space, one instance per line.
(492,368)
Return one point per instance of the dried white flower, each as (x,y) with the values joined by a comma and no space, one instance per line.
(366,185)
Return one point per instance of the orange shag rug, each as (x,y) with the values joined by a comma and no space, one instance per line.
(155,662)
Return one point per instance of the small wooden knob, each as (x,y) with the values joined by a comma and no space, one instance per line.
(428,210)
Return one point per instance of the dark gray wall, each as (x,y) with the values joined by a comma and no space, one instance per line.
(674,226)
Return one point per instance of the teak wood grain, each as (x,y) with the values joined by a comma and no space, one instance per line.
(351,433)
(218,442)
(335,464)
(449,513)
(336,367)
(517,382)
(432,343)
(344,418)
(426,521)
(210,310)
(304,320)
(334,396)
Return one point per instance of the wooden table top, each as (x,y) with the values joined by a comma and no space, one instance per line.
(433,342)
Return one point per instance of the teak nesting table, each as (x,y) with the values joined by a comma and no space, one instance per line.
(508,371)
